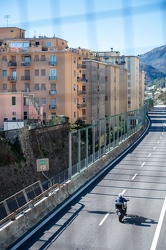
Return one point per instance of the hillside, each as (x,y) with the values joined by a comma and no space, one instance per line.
(154,63)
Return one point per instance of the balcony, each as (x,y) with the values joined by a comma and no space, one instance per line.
(81,92)
(12,78)
(52,78)
(52,92)
(25,78)
(53,63)
(26,64)
(82,79)
(12,63)
(52,107)
(82,105)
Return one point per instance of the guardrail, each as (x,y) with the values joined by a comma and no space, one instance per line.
(29,204)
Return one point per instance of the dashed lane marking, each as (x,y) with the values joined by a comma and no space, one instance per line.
(134,176)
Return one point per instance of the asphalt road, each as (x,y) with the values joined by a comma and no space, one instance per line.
(90,222)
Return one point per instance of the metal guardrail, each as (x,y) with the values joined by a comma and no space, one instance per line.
(29,204)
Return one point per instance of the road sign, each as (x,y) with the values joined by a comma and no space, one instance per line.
(42,164)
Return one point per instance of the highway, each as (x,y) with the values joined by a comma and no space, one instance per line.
(90,222)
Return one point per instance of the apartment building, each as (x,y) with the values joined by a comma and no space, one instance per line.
(135,83)
(44,66)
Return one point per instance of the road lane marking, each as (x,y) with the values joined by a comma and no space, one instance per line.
(158,141)
(161,137)
(149,155)
(156,236)
(123,191)
(154,147)
(134,176)
(143,164)
(105,217)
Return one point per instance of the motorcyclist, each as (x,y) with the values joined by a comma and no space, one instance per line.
(121,200)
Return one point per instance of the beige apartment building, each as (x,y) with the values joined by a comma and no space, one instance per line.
(135,83)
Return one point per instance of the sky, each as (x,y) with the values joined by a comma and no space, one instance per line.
(132,27)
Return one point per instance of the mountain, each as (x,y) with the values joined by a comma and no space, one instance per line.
(154,63)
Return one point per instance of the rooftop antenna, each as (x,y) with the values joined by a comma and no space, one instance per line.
(7,17)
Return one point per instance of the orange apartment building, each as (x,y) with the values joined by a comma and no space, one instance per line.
(44,66)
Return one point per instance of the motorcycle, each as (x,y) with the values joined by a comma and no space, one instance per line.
(121,210)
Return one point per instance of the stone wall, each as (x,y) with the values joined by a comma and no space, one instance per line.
(19,150)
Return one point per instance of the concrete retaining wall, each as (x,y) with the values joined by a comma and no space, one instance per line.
(25,222)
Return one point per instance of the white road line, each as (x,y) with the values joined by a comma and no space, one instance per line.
(154,147)
(162,133)
(105,217)
(123,191)
(149,155)
(161,137)
(134,176)
(158,141)
(156,236)
(143,164)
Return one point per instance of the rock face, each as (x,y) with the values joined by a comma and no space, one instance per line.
(19,151)
(154,63)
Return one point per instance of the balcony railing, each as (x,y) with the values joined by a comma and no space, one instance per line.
(82,79)
(27,64)
(52,92)
(52,63)
(25,78)
(52,77)
(82,105)
(12,64)
(81,92)
(12,78)
(52,107)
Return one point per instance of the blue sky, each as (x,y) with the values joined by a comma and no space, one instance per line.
(130,26)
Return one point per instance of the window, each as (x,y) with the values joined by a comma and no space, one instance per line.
(36,58)
(43,72)
(53,60)
(48,44)
(13,118)
(14,113)
(43,86)
(43,58)
(5,87)
(27,60)
(4,59)
(74,73)
(13,100)
(52,74)
(75,101)
(4,72)
(25,115)
(37,100)
(43,100)
(53,86)
(36,72)
(36,86)
(5,119)
(13,87)
(74,114)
